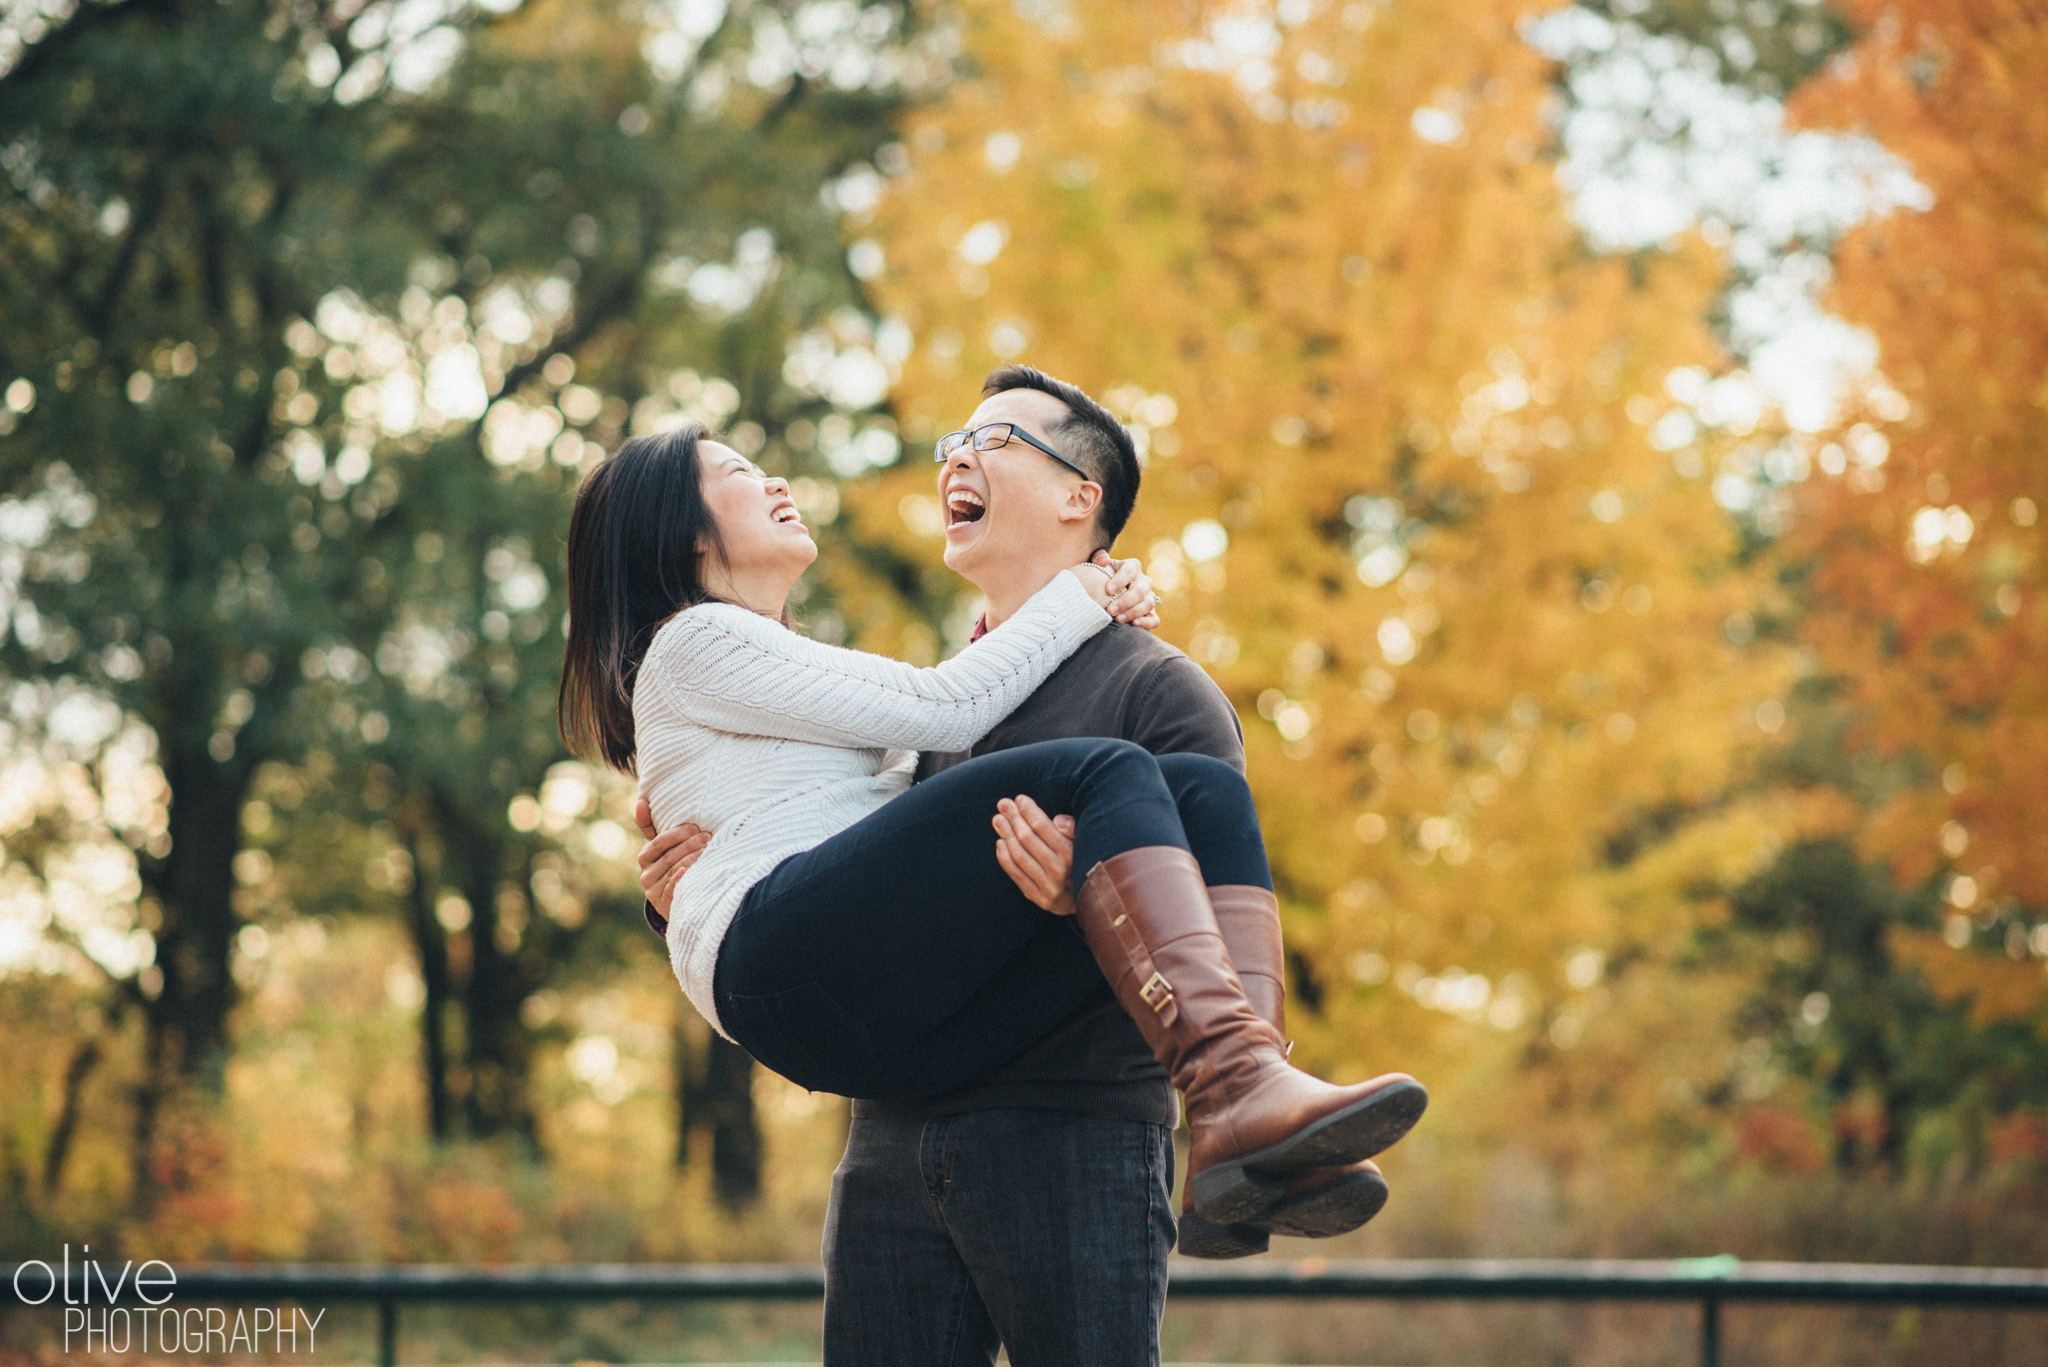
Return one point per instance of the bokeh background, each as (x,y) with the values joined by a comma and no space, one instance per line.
(1599,450)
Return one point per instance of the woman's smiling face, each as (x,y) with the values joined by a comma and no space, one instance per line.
(762,538)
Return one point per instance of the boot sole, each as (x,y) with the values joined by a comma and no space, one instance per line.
(1201,1238)
(1242,1188)
(1336,1207)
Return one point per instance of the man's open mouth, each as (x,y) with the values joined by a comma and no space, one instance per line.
(964,505)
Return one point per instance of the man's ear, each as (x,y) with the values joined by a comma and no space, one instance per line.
(1081,501)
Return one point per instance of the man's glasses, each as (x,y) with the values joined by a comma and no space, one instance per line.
(991,435)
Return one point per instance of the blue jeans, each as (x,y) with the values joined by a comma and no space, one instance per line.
(1043,1230)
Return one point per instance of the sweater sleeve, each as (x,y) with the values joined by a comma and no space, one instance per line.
(736,671)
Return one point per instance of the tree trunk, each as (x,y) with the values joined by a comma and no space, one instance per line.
(195,884)
(714,1088)
(498,1053)
(690,1051)
(495,1038)
(431,944)
(735,1135)
(59,1150)
(186,1021)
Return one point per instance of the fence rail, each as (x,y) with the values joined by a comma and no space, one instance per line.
(1708,1283)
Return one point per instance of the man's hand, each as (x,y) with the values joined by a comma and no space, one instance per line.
(1131,598)
(1037,851)
(666,856)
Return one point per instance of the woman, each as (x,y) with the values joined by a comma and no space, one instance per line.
(825,928)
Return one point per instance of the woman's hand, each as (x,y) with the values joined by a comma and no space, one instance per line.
(1037,851)
(1133,599)
(666,856)
(1121,588)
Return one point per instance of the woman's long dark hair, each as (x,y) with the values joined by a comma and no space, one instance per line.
(633,563)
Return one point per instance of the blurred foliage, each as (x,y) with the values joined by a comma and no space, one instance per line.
(1414,500)
(317,314)
(1690,864)
(1920,538)
(316,1149)
(1765,46)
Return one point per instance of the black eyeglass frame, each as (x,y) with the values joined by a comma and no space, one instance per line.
(941,452)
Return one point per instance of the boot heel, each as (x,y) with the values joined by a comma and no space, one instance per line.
(1198,1238)
(1231,1193)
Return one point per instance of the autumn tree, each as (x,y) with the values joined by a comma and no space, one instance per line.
(1425,489)
(316,315)
(1919,532)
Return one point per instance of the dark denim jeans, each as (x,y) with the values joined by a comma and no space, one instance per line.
(897,960)
(1043,1230)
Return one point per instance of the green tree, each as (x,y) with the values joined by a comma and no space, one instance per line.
(317,312)
(165,215)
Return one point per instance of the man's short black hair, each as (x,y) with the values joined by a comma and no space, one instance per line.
(1090,436)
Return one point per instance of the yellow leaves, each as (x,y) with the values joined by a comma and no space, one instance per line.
(1408,482)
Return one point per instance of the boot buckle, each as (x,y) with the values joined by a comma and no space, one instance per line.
(1156,992)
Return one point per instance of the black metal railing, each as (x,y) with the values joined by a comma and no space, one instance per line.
(1709,1283)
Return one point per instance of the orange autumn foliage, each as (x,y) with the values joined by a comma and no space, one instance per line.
(1928,575)
(1997,988)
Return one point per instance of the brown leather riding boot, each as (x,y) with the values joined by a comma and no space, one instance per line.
(1320,1202)
(1252,1119)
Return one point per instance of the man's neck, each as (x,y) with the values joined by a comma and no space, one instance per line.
(1014,589)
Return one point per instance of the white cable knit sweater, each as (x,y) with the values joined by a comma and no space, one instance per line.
(775,742)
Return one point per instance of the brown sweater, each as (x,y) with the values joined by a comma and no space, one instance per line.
(1127,684)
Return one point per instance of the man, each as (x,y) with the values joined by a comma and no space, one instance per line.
(1033,1207)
